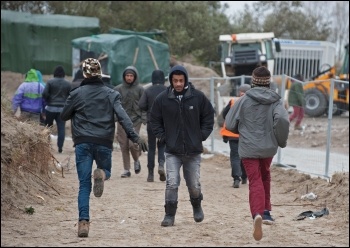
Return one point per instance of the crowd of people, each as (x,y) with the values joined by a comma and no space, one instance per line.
(178,117)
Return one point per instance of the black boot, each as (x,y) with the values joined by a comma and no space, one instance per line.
(170,211)
(198,214)
(150,177)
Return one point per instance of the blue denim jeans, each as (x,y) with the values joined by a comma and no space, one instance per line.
(152,145)
(191,172)
(61,126)
(85,155)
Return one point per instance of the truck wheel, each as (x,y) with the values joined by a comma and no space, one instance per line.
(315,103)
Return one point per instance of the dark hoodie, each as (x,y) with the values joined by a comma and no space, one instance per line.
(184,124)
(152,92)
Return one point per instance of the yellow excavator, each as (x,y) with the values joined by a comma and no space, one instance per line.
(317,90)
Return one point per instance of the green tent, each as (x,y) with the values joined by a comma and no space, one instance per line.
(117,51)
(41,41)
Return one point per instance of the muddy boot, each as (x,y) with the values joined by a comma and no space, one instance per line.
(161,172)
(198,214)
(150,177)
(170,211)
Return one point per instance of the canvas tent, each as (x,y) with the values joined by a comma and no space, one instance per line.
(41,41)
(117,51)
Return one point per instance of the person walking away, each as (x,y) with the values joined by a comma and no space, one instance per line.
(237,169)
(78,78)
(28,98)
(145,104)
(131,92)
(182,117)
(260,119)
(93,109)
(296,99)
(55,94)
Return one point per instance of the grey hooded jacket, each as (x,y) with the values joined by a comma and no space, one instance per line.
(262,122)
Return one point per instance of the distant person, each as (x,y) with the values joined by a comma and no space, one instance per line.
(131,92)
(56,93)
(296,99)
(237,169)
(182,117)
(145,104)
(92,109)
(28,97)
(42,115)
(261,121)
(78,78)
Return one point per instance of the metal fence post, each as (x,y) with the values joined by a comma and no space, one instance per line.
(330,116)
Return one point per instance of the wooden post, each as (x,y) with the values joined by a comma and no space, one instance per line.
(152,56)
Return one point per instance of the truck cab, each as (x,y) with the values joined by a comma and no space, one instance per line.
(242,53)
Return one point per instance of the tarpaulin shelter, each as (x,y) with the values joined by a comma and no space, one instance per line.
(117,51)
(41,41)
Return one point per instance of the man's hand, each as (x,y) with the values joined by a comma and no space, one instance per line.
(142,144)
(160,141)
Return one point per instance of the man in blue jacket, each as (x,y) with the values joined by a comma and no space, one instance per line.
(182,117)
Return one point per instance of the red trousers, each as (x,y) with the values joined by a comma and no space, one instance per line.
(258,172)
(298,113)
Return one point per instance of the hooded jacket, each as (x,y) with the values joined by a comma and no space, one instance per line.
(147,98)
(28,96)
(92,107)
(130,96)
(261,121)
(183,125)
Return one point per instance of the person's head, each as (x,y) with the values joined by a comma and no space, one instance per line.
(78,76)
(129,75)
(158,77)
(298,77)
(261,77)
(178,78)
(31,76)
(91,68)
(59,72)
(243,89)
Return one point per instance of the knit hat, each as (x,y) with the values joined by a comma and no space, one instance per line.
(59,72)
(91,68)
(261,77)
(158,77)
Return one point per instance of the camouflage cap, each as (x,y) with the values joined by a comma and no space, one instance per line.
(91,68)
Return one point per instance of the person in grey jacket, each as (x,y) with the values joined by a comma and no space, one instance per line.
(56,93)
(182,117)
(94,108)
(260,119)
(145,103)
(131,92)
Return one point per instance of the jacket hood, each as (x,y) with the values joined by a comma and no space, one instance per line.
(158,77)
(31,76)
(178,68)
(263,95)
(131,68)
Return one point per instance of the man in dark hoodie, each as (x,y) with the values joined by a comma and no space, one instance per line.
(131,92)
(56,93)
(260,119)
(94,108)
(182,117)
(145,104)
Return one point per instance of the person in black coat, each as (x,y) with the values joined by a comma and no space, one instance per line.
(182,117)
(145,103)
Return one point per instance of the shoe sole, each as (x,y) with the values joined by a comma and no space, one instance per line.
(267,222)
(98,182)
(161,175)
(257,233)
